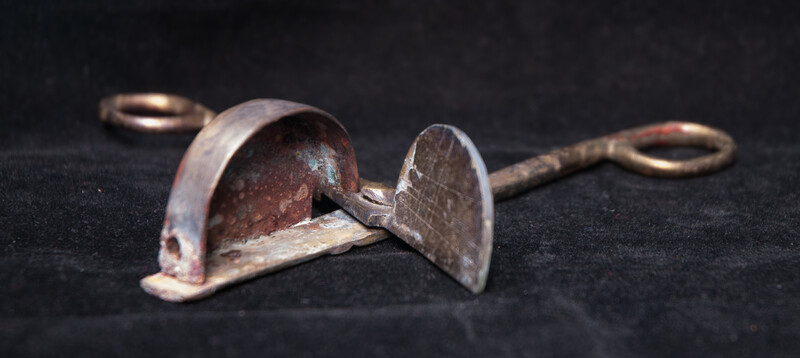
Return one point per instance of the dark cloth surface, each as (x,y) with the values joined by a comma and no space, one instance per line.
(601,263)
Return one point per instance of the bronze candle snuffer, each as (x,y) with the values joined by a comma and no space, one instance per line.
(240,205)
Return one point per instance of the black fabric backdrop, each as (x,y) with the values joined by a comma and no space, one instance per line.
(602,263)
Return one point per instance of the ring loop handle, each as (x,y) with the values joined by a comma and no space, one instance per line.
(154,113)
(624,149)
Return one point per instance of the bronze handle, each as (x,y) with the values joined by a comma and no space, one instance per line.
(623,148)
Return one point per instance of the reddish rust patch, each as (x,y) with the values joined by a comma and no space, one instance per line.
(268,183)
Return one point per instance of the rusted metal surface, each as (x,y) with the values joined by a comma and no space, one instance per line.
(442,205)
(241,200)
(154,113)
(443,201)
(269,183)
(236,261)
(251,171)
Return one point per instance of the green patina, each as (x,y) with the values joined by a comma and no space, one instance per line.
(320,158)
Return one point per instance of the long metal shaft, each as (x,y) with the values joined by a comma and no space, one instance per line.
(525,175)
(621,147)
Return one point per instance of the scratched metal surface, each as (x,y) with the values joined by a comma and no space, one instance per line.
(443,205)
(603,263)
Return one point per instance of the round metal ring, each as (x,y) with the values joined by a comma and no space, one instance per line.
(626,151)
(154,113)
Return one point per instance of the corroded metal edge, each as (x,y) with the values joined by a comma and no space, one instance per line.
(235,262)
(372,203)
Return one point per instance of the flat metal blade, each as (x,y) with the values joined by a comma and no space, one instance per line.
(332,233)
(443,205)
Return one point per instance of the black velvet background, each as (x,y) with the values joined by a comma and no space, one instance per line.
(602,263)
